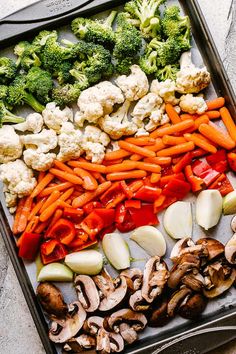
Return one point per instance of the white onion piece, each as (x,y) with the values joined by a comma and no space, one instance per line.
(178,221)
(208,208)
(88,262)
(116,251)
(150,239)
(229,203)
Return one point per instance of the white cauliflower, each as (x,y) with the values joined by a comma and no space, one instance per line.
(33,123)
(38,160)
(96,101)
(166,90)
(192,104)
(69,140)
(11,201)
(10,144)
(94,143)
(18,178)
(54,117)
(117,124)
(135,85)
(44,141)
(191,79)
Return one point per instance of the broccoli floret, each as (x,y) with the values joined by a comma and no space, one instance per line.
(8,70)
(7,117)
(27,56)
(148,62)
(41,39)
(128,39)
(81,79)
(168,52)
(18,94)
(168,72)
(99,32)
(63,72)
(40,83)
(122,66)
(147,11)
(63,95)
(3,92)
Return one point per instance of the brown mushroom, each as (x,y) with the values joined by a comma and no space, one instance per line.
(80,343)
(87,292)
(134,277)
(51,299)
(93,324)
(230,250)
(193,281)
(176,299)
(179,246)
(112,292)
(186,263)
(155,276)
(109,342)
(158,316)
(214,247)
(193,306)
(233,224)
(137,302)
(128,333)
(62,330)
(116,342)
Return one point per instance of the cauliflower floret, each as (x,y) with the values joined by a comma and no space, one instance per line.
(191,79)
(94,143)
(69,141)
(18,178)
(38,160)
(44,141)
(117,124)
(156,118)
(96,101)
(33,123)
(54,117)
(135,85)
(166,90)
(191,104)
(10,144)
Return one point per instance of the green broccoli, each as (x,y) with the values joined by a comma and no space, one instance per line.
(18,94)
(8,70)
(122,66)
(63,95)
(3,92)
(168,52)
(81,79)
(147,11)
(62,74)
(99,32)
(7,117)
(27,56)
(40,83)
(40,40)
(148,62)
(168,72)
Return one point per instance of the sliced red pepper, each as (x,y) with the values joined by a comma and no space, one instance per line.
(120,213)
(222,184)
(92,225)
(196,182)
(29,245)
(127,224)
(131,203)
(218,161)
(147,193)
(88,208)
(231,156)
(107,230)
(80,247)
(144,216)
(73,214)
(52,253)
(107,215)
(166,179)
(63,230)
(203,170)
(184,161)
(176,188)
(115,194)
(160,205)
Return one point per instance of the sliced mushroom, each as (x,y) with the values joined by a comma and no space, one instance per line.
(218,278)
(186,263)
(137,302)
(233,224)
(62,330)
(176,299)
(112,293)
(87,292)
(159,317)
(51,300)
(134,277)
(230,250)
(128,333)
(78,344)
(193,306)
(155,276)
(179,246)
(93,324)
(193,281)
(103,342)
(214,247)
(116,342)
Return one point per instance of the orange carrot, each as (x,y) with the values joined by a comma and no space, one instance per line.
(117,176)
(66,194)
(32,224)
(25,212)
(186,116)
(88,166)
(213,114)
(111,162)
(201,120)
(150,167)
(155,177)
(88,196)
(136,149)
(66,176)
(98,176)
(176,150)
(228,122)
(162,161)
(135,185)
(41,176)
(158,202)
(47,213)
(216,103)
(18,215)
(217,136)
(117,154)
(42,184)
(36,208)
(56,216)
(178,127)
(89,182)
(172,114)
(173,140)
(158,146)
(51,199)
(196,139)
(154,135)
(124,166)
(62,166)
(142,141)
(41,226)
(57,187)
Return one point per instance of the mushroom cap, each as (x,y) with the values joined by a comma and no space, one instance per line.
(137,302)
(133,277)
(79,343)
(185,264)
(136,320)
(230,250)
(128,333)
(116,342)
(51,299)
(194,305)
(214,247)
(179,246)
(93,324)
(87,292)
(176,299)
(233,224)
(103,341)
(158,316)
(193,281)
(63,330)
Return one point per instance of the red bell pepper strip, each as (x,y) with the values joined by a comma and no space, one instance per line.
(120,213)
(115,194)
(127,224)
(203,170)
(29,245)
(107,230)
(144,216)
(73,214)
(52,251)
(107,215)
(63,230)
(231,156)
(222,184)
(218,161)
(181,164)
(92,225)
(196,182)
(131,203)
(147,193)
(176,188)
(161,204)
(88,208)
(166,179)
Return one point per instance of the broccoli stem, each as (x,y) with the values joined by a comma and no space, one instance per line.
(32,102)
(12,119)
(110,19)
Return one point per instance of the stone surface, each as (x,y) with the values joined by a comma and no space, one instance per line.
(17,331)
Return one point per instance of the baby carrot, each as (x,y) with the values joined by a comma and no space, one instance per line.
(51,199)
(216,103)
(117,154)
(155,177)
(25,211)
(218,137)
(117,176)
(112,162)
(173,140)
(32,224)
(57,187)
(66,194)
(66,176)
(88,166)
(213,114)
(158,146)
(228,122)
(42,184)
(62,166)
(136,149)
(201,120)
(41,176)
(17,215)
(172,114)
(36,208)
(89,182)
(178,127)
(98,176)
(150,167)
(142,141)
(88,196)
(124,166)
(176,150)
(154,135)
(196,139)
(41,226)
(56,216)
(186,116)
(162,161)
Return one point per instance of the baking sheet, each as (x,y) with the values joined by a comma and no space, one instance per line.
(216,308)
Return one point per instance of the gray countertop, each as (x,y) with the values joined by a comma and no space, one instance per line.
(18,334)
